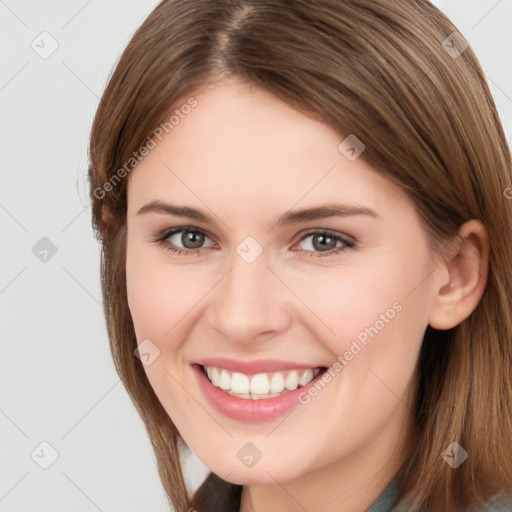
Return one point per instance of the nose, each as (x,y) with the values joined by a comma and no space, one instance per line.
(250,303)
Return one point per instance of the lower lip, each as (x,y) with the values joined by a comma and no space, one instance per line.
(249,410)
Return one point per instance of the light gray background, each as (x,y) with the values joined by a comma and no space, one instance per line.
(57,380)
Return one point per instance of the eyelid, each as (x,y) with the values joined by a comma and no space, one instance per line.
(166,233)
(313,231)
(347,240)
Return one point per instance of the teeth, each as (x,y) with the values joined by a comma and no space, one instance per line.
(225,381)
(254,397)
(306,377)
(214,375)
(292,381)
(239,382)
(261,385)
(277,383)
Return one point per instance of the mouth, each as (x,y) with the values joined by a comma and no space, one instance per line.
(260,386)
(255,397)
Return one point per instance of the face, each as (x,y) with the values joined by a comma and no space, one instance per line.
(249,286)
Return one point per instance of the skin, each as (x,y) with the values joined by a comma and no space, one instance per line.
(246,158)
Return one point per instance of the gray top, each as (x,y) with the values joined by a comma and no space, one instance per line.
(217,495)
(384,501)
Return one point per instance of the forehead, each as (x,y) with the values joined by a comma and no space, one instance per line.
(247,147)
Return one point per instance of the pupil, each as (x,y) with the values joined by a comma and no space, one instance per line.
(323,245)
(192,239)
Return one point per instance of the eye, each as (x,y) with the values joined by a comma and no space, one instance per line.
(191,240)
(325,243)
(187,240)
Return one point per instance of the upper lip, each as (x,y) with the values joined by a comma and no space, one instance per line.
(253,367)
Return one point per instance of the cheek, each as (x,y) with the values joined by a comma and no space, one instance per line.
(159,297)
(339,304)
(159,294)
(383,299)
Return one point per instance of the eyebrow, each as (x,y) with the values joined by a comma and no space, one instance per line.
(288,218)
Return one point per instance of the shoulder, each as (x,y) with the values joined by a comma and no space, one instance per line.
(497,505)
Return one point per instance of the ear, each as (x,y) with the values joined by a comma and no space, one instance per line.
(460,284)
(106,216)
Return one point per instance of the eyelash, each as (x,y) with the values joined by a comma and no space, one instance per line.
(161,239)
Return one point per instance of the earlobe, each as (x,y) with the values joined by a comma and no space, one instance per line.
(462,279)
(105,214)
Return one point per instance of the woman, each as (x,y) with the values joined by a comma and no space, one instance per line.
(305,229)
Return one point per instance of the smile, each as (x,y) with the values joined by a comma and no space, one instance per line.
(261,385)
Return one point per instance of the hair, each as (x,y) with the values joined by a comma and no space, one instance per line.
(377,69)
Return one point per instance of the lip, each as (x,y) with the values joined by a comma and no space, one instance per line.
(253,411)
(253,367)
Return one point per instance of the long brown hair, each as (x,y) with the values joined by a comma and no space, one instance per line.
(394,73)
